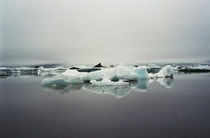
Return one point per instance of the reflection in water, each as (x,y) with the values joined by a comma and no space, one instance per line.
(166,82)
(141,85)
(118,91)
(62,88)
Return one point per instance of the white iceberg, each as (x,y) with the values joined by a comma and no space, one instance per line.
(166,71)
(61,80)
(118,75)
(67,78)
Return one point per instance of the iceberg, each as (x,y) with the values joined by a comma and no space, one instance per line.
(119,75)
(118,81)
(116,73)
(67,78)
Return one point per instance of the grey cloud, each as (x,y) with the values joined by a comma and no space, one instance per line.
(90,31)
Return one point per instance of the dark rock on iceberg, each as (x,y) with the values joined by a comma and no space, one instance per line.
(36,67)
(99,65)
(88,69)
(74,68)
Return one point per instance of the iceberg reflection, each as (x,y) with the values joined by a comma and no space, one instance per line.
(141,85)
(118,91)
(62,89)
(166,82)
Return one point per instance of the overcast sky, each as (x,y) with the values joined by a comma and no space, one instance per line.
(107,31)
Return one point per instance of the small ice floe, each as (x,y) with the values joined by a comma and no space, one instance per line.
(68,77)
(194,69)
(166,71)
(4,71)
(141,72)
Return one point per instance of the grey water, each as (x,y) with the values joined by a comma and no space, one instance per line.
(179,108)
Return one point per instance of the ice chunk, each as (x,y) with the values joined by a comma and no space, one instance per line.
(67,78)
(73,73)
(5,71)
(200,67)
(194,69)
(166,71)
(61,80)
(97,75)
(118,73)
(141,71)
(126,74)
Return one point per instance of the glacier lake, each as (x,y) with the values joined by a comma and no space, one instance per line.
(175,107)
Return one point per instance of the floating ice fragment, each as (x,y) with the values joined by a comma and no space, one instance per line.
(66,78)
(194,69)
(141,71)
(166,71)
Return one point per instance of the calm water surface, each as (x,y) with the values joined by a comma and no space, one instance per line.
(28,110)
